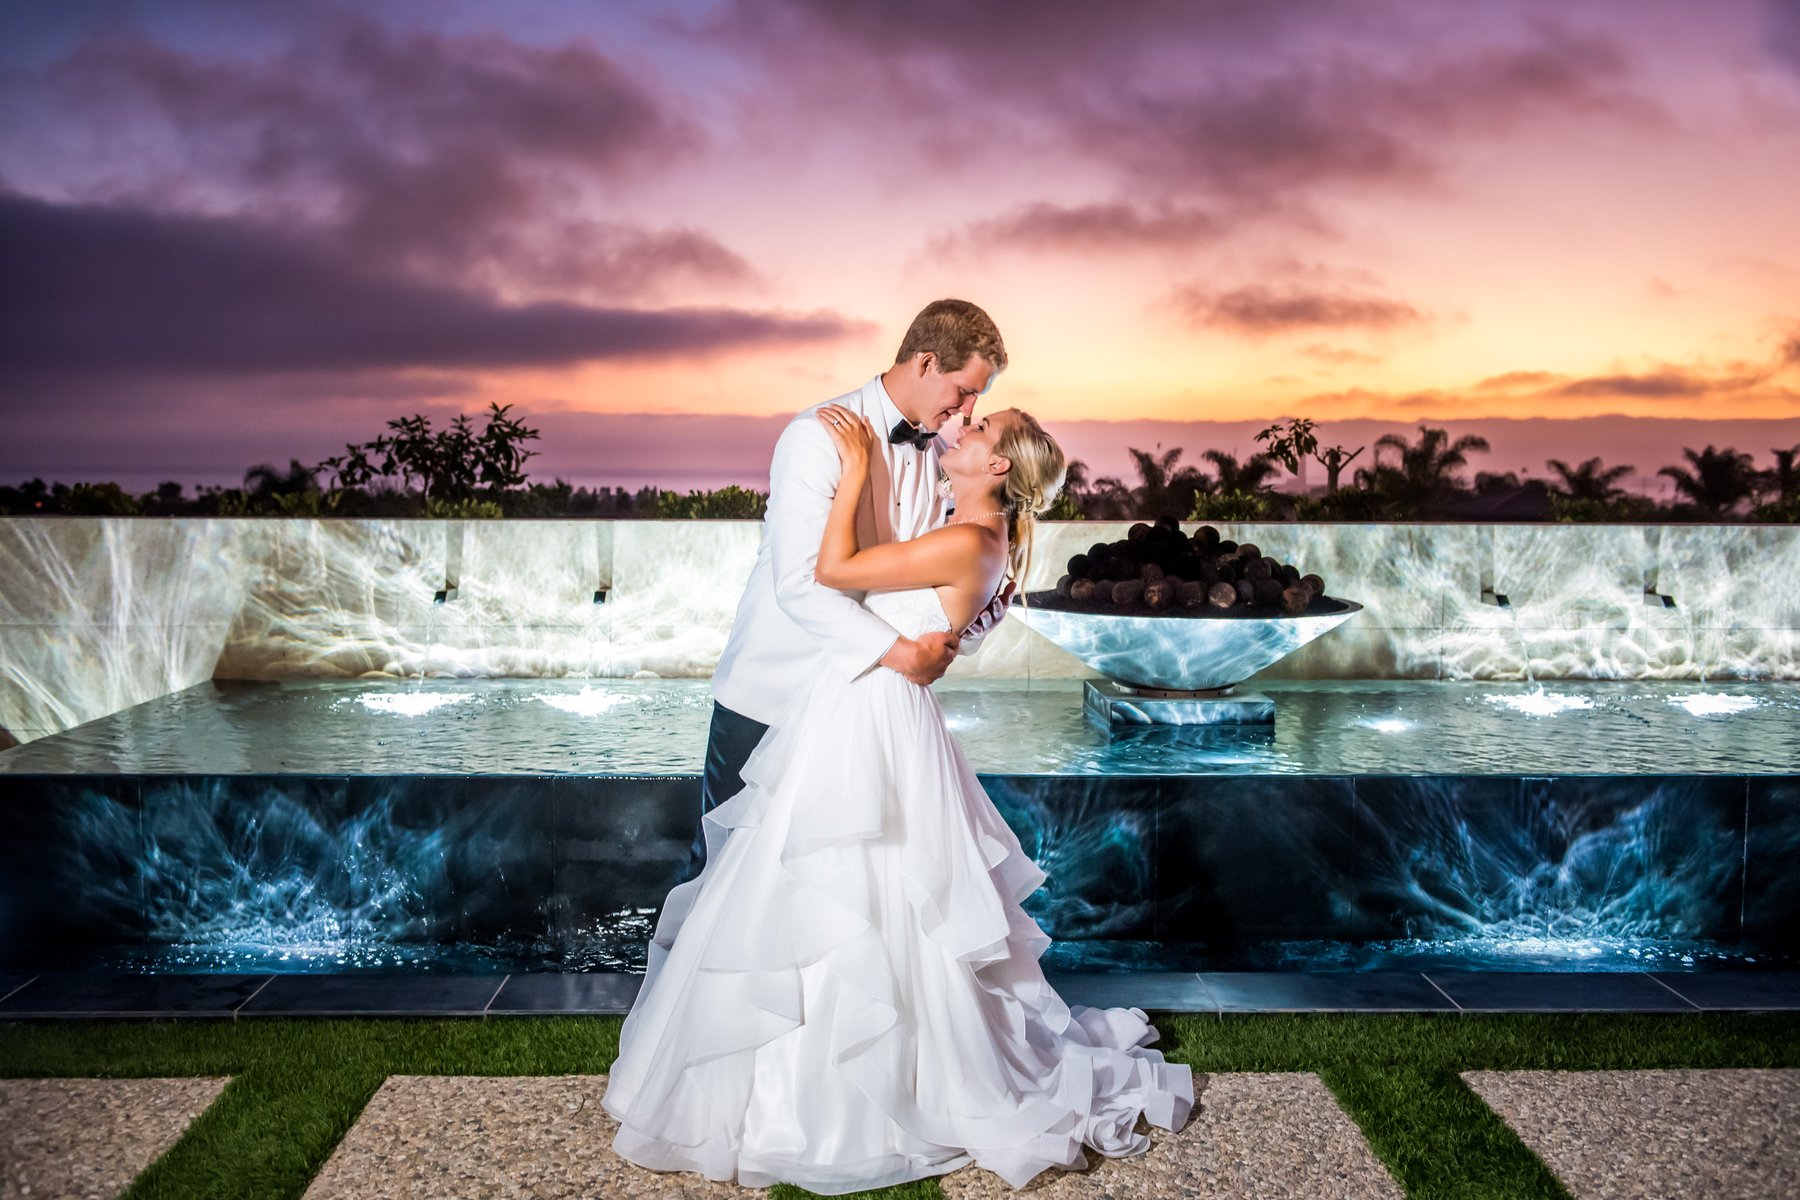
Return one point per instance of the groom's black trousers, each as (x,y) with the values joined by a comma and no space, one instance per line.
(729,741)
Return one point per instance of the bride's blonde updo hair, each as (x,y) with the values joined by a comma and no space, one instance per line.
(1032,482)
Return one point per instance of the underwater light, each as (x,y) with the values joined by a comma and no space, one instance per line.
(1709,704)
(411,704)
(1541,703)
(588,702)
(1386,724)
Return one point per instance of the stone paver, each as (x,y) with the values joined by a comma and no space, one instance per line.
(1268,1136)
(1717,1134)
(425,1136)
(91,1137)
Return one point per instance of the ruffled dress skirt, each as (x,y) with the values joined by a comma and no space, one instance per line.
(848,995)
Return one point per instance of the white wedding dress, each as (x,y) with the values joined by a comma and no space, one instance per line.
(848,995)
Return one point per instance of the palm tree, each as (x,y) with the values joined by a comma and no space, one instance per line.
(1109,500)
(1720,480)
(1588,481)
(1165,486)
(1249,476)
(1426,473)
(1783,479)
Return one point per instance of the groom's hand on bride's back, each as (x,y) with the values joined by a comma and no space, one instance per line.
(923,659)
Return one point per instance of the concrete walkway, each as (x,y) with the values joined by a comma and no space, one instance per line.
(437,1137)
(1707,1134)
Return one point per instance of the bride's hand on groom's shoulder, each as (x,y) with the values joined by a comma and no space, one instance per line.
(852,434)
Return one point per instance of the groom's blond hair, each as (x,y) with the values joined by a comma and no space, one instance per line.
(953,330)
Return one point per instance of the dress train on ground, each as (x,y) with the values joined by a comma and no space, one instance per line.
(848,995)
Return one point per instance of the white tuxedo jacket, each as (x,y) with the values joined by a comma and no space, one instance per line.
(788,625)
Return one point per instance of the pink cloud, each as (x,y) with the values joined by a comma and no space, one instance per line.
(1259,311)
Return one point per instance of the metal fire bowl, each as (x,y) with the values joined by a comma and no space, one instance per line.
(1179,654)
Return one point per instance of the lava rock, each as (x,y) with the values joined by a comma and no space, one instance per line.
(1156,567)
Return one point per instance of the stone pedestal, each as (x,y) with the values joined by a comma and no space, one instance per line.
(1113,705)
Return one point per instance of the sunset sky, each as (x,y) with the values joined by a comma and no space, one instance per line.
(238,232)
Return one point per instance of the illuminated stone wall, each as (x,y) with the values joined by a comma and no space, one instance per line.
(99,614)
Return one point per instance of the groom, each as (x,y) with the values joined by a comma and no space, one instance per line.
(789,626)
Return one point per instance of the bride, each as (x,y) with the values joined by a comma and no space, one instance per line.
(848,995)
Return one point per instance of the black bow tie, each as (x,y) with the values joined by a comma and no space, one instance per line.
(904,432)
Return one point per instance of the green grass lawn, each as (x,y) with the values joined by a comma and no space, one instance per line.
(298,1085)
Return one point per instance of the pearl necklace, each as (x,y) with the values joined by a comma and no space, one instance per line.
(978,517)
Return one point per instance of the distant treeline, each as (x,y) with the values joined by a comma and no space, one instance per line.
(457,472)
(289,496)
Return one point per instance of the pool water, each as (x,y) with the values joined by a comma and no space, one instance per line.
(630,727)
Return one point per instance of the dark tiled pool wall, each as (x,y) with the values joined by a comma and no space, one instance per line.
(1591,864)
(518,872)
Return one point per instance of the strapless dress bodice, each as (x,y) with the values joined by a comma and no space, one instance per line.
(912,611)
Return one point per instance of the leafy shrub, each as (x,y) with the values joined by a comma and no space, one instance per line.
(1785,512)
(1572,509)
(1231,506)
(728,503)
(459,509)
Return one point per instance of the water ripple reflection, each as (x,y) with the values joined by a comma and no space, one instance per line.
(628,727)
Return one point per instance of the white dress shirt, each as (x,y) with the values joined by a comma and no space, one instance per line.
(788,625)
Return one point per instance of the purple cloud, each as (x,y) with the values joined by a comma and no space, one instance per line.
(465,157)
(1235,102)
(1784,31)
(1259,311)
(1343,119)
(1087,227)
(1668,384)
(113,289)
(1790,352)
